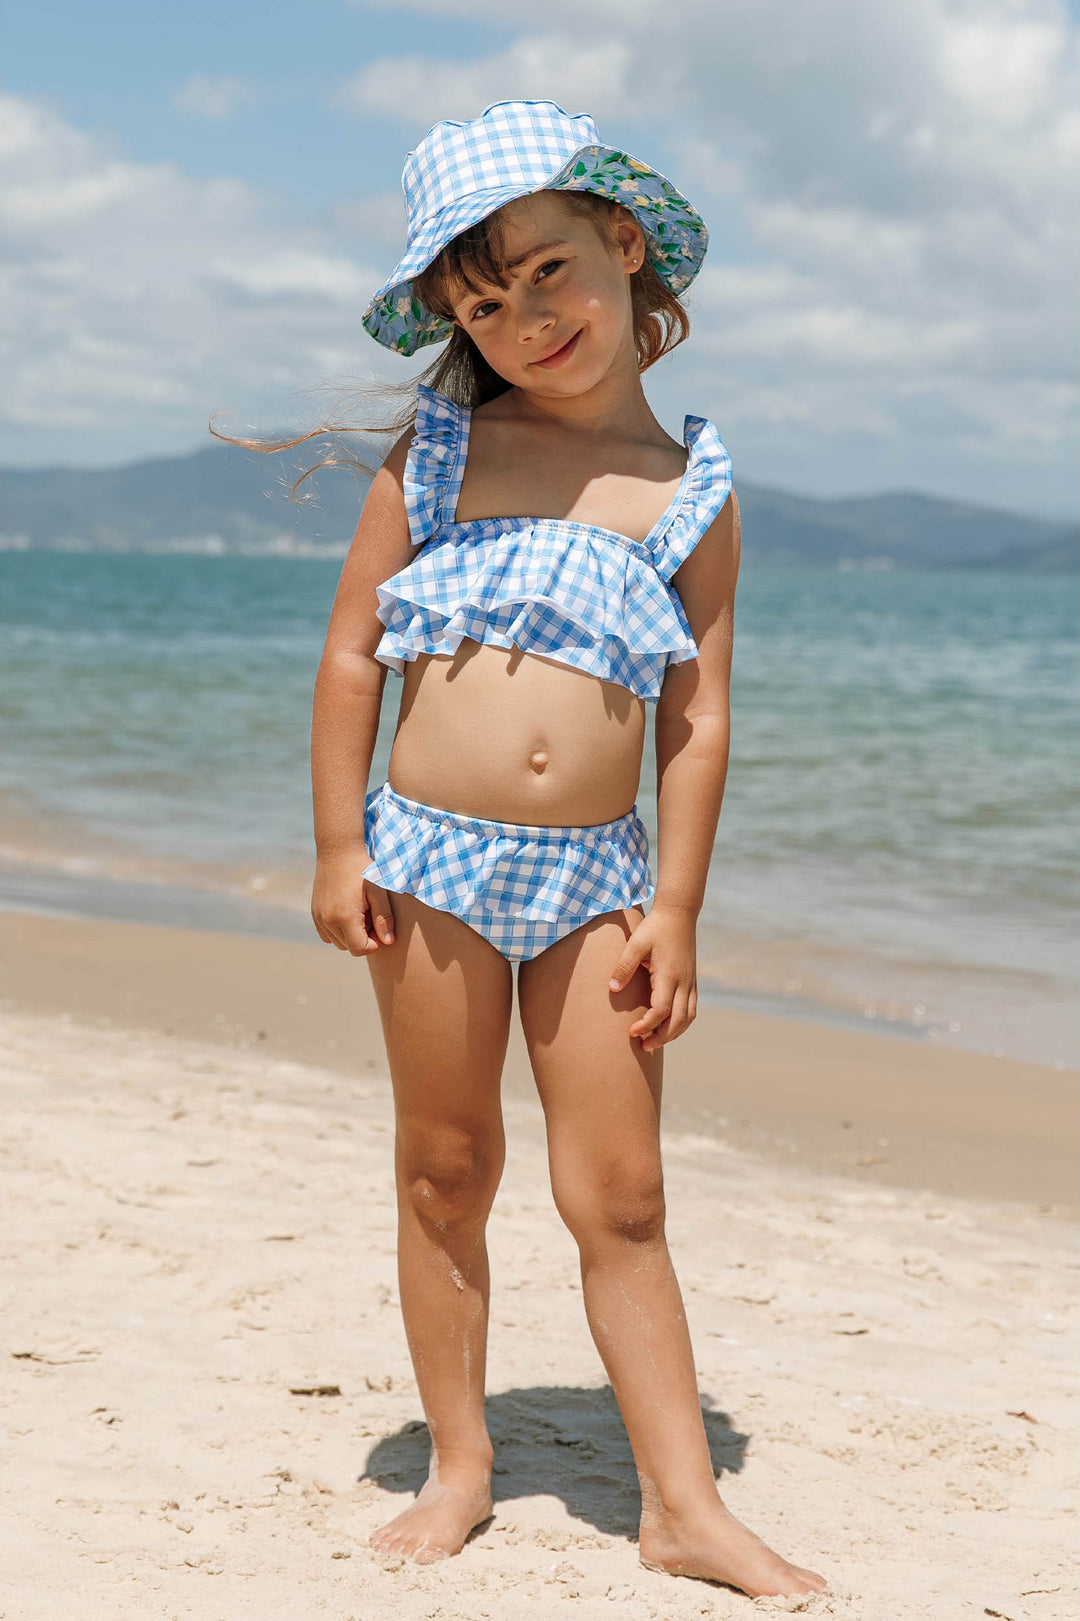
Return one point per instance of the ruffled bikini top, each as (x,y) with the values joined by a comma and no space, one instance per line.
(572,592)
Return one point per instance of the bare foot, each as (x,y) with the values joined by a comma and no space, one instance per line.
(717,1547)
(438,1522)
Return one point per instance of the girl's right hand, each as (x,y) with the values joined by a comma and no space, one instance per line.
(348,911)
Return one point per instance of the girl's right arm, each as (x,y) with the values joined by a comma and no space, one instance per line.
(348,912)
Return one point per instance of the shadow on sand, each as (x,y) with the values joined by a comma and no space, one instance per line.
(564,1441)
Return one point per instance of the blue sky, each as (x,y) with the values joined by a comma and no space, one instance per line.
(198,201)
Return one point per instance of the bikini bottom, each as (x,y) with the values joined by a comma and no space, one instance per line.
(521,887)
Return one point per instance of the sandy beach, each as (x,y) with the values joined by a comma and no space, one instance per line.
(208,1395)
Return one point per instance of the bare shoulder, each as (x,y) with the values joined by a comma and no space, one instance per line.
(396,457)
(500,408)
(706,580)
(385,499)
(717,555)
(382,543)
(660,456)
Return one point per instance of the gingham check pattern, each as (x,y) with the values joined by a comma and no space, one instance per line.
(521,887)
(514,145)
(461,172)
(572,592)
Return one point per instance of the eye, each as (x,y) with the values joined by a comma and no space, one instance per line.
(482,309)
(550,265)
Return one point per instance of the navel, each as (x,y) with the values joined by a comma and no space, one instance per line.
(538,760)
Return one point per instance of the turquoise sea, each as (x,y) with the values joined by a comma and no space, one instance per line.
(897,846)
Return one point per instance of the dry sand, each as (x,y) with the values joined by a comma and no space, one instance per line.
(200,1226)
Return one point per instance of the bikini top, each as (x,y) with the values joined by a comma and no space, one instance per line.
(573,592)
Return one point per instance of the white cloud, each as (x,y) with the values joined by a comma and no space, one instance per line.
(141,300)
(999,66)
(891,197)
(48,180)
(573,72)
(378,219)
(213,96)
(288,271)
(889,298)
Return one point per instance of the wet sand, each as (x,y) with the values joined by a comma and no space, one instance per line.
(884,1109)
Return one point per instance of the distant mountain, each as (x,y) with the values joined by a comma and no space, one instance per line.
(225,499)
(903,528)
(222,498)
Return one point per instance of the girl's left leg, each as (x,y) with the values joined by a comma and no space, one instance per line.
(601,1099)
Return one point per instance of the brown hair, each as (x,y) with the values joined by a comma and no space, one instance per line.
(473,259)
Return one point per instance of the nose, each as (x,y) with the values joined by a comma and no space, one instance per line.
(535,315)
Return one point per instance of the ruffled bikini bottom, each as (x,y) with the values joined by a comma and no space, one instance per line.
(521,887)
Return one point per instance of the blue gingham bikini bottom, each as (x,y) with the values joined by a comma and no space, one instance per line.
(521,887)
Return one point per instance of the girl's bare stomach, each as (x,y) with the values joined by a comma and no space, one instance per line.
(503,734)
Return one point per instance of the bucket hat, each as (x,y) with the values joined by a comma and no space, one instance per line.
(461,173)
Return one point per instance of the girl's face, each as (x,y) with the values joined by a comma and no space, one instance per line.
(564,322)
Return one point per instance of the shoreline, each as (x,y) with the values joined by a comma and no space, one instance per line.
(1010,1013)
(46,892)
(860,1104)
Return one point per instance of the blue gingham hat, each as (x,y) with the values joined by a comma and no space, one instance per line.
(460,173)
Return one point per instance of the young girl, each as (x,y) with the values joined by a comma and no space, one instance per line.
(539,560)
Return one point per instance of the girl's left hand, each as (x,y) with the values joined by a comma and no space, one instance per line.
(664,943)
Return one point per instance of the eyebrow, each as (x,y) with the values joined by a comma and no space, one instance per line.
(541,247)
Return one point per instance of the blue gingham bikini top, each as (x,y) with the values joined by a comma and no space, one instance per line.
(572,592)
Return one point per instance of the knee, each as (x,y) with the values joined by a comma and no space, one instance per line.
(622,1203)
(449,1177)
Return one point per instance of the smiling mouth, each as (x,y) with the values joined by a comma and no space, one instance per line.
(560,355)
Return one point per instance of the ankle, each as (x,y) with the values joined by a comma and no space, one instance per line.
(452,1466)
(682,1506)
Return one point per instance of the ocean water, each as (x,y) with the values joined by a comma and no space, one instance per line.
(897,846)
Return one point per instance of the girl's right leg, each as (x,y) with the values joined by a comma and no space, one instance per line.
(445,997)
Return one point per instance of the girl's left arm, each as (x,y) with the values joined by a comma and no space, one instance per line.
(693,731)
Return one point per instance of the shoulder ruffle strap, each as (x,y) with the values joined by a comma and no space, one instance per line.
(435,464)
(706,486)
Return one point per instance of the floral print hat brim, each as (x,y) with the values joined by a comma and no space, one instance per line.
(461,173)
